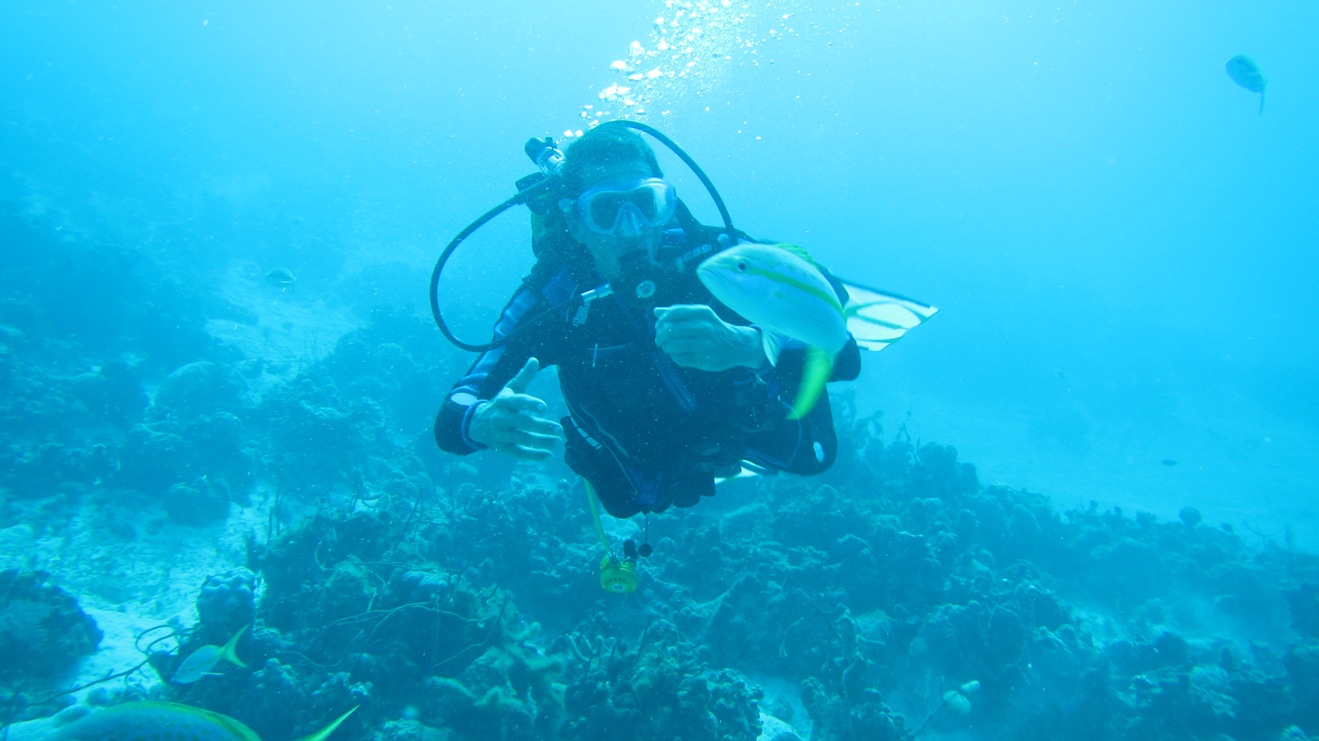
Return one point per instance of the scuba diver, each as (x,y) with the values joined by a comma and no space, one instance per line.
(666,387)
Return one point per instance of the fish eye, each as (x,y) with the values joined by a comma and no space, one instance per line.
(742,266)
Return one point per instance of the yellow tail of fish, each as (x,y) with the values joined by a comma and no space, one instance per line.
(815,373)
(229,651)
(325,732)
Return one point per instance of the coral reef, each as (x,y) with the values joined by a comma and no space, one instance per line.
(662,688)
(43,631)
(894,597)
(228,601)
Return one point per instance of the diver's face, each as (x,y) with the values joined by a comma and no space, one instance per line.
(608,249)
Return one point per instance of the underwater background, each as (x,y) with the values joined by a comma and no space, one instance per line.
(1080,500)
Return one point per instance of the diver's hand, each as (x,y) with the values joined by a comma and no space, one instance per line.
(695,337)
(511,422)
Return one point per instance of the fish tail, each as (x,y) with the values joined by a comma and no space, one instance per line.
(815,374)
(229,654)
(326,731)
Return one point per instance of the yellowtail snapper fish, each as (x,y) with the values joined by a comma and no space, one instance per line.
(779,288)
(200,662)
(167,721)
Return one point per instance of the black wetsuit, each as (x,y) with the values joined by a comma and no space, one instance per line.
(645,432)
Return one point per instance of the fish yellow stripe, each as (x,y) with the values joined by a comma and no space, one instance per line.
(792,282)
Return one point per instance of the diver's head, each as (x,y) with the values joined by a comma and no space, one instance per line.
(616,201)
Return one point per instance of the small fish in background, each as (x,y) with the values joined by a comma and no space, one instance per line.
(200,662)
(166,721)
(1244,72)
(282,278)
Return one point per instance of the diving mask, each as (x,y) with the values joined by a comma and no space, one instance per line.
(627,209)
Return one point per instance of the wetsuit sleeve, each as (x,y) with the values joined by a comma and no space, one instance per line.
(487,375)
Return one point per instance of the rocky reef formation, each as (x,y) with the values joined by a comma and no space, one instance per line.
(43,631)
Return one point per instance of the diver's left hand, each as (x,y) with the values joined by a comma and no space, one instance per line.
(695,337)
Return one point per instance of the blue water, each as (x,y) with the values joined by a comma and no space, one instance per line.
(1123,248)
